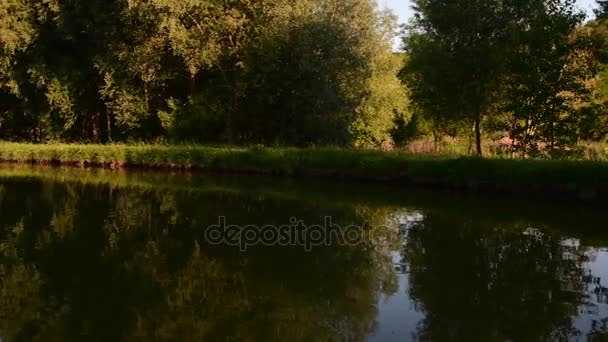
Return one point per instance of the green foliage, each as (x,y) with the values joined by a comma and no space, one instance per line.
(302,73)
(546,79)
(385,101)
(405,131)
(16,33)
(456,59)
(127,106)
(523,69)
(271,71)
(595,127)
(564,177)
(315,78)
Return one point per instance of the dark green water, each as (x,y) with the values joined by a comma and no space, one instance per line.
(101,256)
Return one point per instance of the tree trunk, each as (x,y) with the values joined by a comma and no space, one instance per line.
(109,126)
(478,135)
(230,81)
(513,137)
(38,130)
(526,137)
(470,138)
(95,127)
(552,132)
(192,84)
(552,140)
(146,98)
(233,110)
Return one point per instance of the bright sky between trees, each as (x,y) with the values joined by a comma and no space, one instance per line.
(403,8)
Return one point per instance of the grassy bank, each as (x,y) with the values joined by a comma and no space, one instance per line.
(585,150)
(580,179)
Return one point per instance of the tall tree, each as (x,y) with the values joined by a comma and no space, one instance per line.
(457,51)
(323,73)
(549,64)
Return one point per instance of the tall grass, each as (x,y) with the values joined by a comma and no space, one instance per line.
(580,178)
(585,150)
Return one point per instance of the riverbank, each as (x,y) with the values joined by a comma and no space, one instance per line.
(586,180)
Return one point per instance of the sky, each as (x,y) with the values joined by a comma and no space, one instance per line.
(402,7)
(403,10)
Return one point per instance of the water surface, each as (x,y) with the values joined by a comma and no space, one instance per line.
(98,255)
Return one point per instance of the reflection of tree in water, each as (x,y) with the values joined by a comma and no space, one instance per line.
(117,264)
(483,281)
(599,330)
(596,295)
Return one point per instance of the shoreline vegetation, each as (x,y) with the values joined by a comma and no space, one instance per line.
(552,179)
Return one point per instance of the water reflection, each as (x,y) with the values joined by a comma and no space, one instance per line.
(107,256)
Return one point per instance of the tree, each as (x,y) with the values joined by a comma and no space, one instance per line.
(456,63)
(16,34)
(386,97)
(595,128)
(549,66)
(323,73)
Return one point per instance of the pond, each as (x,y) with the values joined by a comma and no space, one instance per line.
(118,256)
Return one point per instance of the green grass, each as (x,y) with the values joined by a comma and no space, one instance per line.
(580,178)
(455,147)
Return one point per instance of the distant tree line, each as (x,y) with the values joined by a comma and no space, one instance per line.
(231,71)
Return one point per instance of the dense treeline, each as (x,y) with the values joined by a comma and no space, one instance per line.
(530,74)
(236,71)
